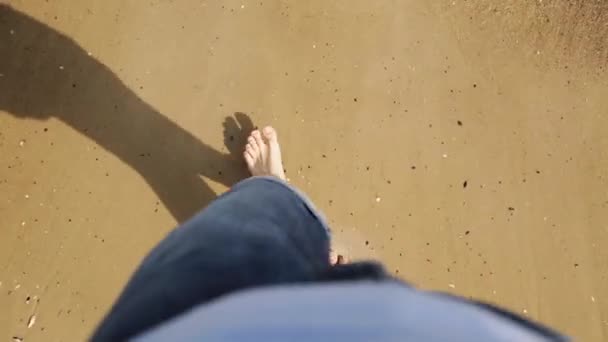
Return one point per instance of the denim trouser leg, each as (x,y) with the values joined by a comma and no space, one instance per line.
(260,232)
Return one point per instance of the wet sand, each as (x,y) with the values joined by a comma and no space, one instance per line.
(464,145)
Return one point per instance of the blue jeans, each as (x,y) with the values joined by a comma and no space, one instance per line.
(261,232)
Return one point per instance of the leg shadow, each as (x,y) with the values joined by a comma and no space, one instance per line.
(45,74)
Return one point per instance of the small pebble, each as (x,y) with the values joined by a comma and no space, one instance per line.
(445,155)
(27,196)
(593,299)
(61,67)
(31,321)
(525,311)
(17,339)
(378,199)
(452,286)
(21,143)
(22,223)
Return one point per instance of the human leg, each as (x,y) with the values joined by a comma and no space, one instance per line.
(261,232)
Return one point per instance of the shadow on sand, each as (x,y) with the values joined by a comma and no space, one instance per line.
(90,98)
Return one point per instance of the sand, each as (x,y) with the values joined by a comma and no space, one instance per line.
(464,145)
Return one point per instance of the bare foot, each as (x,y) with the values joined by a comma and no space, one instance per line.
(337,259)
(263,154)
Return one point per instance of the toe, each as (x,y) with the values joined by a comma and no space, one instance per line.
(251,150)
(269,133)
(333,257)
(258,138)
(249,159)
(254,144)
